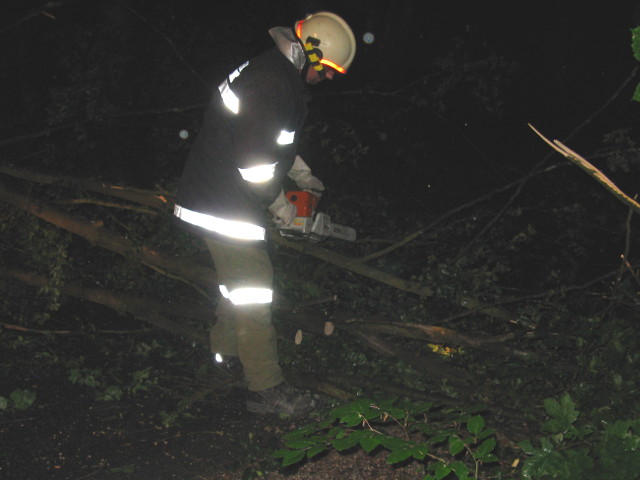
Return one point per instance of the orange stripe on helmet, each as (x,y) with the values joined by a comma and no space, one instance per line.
(333,65)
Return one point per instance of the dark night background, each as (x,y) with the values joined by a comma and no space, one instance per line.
(562,61)
(432,115)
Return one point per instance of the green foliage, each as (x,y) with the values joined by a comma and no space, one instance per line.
(18,399)
(572,449)
(140,381)
(448,443)
(635,47)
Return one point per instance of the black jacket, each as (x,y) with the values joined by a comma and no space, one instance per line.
(272,97)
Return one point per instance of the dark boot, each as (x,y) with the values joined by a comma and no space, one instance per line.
(279,399)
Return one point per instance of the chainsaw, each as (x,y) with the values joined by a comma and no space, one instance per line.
(311,225)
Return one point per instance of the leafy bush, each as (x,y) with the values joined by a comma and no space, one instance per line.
(635,47)
(18,399)
(571,450)
(450,443)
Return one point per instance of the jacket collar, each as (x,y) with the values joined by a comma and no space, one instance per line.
(289,46)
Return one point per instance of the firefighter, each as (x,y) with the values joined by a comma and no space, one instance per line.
(232,183)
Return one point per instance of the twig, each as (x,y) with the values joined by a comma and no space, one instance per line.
(545,294)
(66,126)
(167,39)
(284,305)
(120,206)
(20,328)
(591,170)
(151,198)
(491,223)
(36,12)
(627,245)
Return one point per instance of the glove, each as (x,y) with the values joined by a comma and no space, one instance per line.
(301,174)
(283,210)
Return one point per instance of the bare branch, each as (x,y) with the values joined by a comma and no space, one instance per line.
(592,171)
(97,235)
(155,199)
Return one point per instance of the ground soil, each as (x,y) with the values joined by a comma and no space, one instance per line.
(69,435)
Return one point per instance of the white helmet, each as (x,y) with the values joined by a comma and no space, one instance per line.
(332,36)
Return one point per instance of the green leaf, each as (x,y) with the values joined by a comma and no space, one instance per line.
(352,419)
(460,469)
(635,42)
(320,425)
(385,404)
(475,425)
(292,457)
(344,443)
(619,429)
(397,413)
(23,399)
(490,458)
(280,453)
(456,445)
(441,471)
(370,442)
(393,443)
(527,447)
(399,455)
(420,451)
(553,465)
(423,407)
(546,445)
(438,437)
(74,375)
(485,449)
(319,448)
(486,432)
(562,413)
(299,443)
(304,430)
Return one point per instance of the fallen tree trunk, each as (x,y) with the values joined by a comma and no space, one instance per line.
(205,277)
(98,235)
(151,311)
(164,315)
(157,312)
(356,266)
(157,200)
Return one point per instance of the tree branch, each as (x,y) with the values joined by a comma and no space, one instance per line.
(99,236)
(153,312)
(592,171)
(155,199)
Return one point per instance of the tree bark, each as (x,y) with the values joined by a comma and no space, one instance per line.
(199,275)
(151,311)
(158,312)
(99,236)
(158,200)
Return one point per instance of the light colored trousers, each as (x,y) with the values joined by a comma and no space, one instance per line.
(245,331)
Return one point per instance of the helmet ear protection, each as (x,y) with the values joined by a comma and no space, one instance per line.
(327,39)
(314,55)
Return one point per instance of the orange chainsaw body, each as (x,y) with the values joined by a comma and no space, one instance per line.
(305,202)
(311,225)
